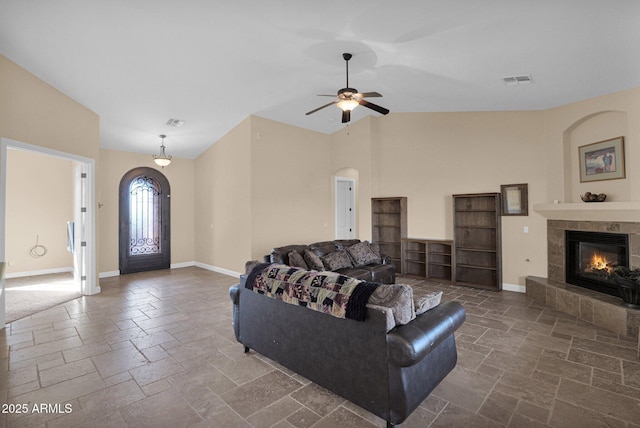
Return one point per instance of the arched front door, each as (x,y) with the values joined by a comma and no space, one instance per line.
(145,227)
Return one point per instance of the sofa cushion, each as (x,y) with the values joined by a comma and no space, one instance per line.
(296,260)
(398,297)
(362,255)
(385,274)
(281,254)
(428,301)
(337,260)
(375,247)
(343,244)
(363,274)
(313,261)
(249,265)
(323,248)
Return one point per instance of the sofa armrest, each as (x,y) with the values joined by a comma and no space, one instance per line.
(234,293)
(410,343)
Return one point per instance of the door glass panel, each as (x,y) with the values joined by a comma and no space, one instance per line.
(145,223)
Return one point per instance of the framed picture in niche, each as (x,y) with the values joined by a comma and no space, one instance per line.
(515,199)
(603,160)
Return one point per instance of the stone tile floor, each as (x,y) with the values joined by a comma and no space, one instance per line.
(157,350)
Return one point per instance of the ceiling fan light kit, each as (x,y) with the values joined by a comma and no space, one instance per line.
(349,98)
(347,104)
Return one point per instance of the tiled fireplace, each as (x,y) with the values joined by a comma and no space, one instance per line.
(575,293)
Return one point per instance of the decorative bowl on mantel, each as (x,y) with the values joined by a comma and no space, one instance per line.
(593,197)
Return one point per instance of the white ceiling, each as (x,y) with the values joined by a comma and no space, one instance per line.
(137,63)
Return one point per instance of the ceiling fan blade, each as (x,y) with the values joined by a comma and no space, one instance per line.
(346,116)
(370,94)
(325,95)
(320,108)
(373,106)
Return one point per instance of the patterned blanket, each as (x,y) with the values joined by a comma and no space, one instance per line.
(328,292)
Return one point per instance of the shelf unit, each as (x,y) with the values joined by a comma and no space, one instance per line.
(389,226)
(414,257)
(428,258)
(477,240)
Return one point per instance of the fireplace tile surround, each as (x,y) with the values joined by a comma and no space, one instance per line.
(596,308)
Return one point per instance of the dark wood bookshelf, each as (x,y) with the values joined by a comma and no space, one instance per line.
(477,240)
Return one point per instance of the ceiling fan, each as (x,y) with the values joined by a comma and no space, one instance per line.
(349,98)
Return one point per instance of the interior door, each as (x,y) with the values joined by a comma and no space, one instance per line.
(345,209)
(145,226)
(76,232)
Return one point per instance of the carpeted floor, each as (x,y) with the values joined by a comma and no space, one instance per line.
(27,295)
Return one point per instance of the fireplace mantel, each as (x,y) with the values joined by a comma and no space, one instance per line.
(593,211)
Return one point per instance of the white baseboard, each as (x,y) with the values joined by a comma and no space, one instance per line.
(513,287)
(218,269)
(109,274)
(39,272)
(182,265)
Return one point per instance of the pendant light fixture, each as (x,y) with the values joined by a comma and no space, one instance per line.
(162,159)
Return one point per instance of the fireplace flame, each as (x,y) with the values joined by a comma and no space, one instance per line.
(599,263)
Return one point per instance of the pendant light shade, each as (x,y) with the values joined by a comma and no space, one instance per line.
(162,159)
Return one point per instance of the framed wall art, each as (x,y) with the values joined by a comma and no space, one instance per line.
(603,160)
(515,199)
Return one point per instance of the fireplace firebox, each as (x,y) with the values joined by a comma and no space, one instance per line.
(591,256)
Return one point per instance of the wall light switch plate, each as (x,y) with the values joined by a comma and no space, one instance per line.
(526,229)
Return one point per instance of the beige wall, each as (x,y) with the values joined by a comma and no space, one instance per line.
(585,122)
(39,204)
(352,156)
(241,180)
(263,184)
(223,217)
(33,112)
(290,186)
(180,174)
(426,157)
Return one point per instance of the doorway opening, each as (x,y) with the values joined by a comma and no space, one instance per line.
(345,208)
(145,224)
(82,240)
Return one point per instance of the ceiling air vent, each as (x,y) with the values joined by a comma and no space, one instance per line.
(518,80)
(175,122)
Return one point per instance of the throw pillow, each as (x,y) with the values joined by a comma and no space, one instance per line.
(428,301)
(362,255)
(248,266)
(397,297)
(313,261)
(296,260)
(375,248)
(337,260)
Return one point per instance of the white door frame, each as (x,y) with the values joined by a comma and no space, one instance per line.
(87,282)
(353,204)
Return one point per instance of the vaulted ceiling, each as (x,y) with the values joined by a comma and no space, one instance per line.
(138,63)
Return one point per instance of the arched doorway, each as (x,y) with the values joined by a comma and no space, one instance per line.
(145,227)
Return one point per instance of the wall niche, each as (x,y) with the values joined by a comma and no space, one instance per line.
(592,129)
